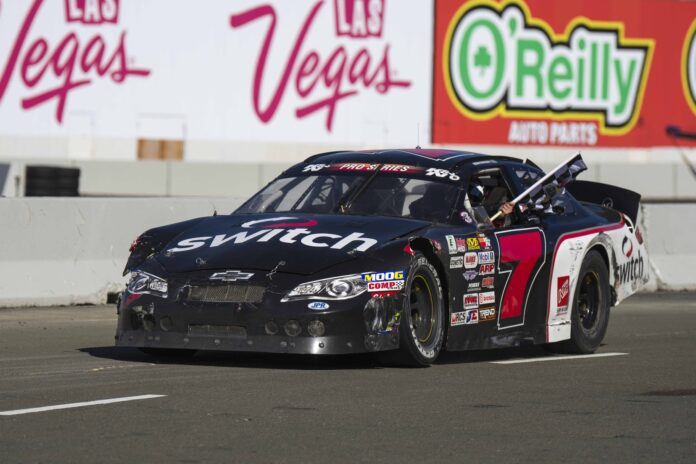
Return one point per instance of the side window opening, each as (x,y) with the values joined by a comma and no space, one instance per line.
(489,189)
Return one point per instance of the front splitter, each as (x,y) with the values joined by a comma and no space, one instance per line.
(261,344)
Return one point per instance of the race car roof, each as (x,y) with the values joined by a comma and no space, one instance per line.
(439,158)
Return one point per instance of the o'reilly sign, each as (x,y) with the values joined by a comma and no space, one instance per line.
(499,60)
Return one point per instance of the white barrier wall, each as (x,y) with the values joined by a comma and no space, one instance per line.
(670,231)
(72,251)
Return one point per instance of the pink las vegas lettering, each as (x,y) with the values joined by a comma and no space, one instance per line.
(321,82)
(51,71)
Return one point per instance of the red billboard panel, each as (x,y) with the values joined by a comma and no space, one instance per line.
(571,73)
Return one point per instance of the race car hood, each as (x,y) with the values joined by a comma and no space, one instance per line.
(305,243)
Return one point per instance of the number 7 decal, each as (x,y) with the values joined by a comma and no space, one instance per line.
(524,253)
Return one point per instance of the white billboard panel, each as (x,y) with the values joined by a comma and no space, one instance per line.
(301,71)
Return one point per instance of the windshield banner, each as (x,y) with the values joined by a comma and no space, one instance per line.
(587,73)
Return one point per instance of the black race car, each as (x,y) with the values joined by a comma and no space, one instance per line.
(391,252)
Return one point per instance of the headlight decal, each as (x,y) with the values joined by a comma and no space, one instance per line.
(144,283)
(333,288)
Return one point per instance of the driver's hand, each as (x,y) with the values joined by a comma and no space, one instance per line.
(507,208)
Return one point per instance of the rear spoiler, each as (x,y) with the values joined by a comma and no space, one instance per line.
(620,199)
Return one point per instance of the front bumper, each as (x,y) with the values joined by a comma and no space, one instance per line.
(361,324)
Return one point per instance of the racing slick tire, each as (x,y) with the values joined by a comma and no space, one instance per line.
(590,313)
(422,325)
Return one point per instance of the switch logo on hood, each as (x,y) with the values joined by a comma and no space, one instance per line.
(283,230)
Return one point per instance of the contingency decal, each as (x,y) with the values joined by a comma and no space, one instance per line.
(486,314)
(318,305)
(470,260)
(389,281)
(464,317)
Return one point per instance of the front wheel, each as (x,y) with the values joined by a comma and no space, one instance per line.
(590,312)
(422,329)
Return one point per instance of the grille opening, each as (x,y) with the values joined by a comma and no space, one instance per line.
(228,331)
(226,293)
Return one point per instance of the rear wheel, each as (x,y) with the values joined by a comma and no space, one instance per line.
(590,314)
(422,328)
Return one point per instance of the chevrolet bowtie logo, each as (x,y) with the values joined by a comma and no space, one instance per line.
(231,276)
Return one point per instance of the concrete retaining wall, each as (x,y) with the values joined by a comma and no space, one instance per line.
(670,234)
(57,251)
(69,251)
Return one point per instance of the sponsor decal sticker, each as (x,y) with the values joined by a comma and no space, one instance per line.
(473,243)
(387,286)
(356,167)
(456,262)
(314,167)
(383,276)
(281,231)
(488,282)
(474,286)
(388,281)
(486,257)
(486,314)
(441,173)
(486,298)
(451,244)
(499,60)
(630,271)
(484,242)
(471,300)
(563,297)
(487,269)
(318,305)
(470,260)
(464,317)
(470,275)
(461,244)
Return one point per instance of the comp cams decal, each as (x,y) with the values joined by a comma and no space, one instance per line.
(500,60)
(389,281)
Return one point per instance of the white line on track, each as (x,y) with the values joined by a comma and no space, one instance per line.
(558,358)
(78,405)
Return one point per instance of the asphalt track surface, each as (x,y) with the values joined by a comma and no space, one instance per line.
(634,408)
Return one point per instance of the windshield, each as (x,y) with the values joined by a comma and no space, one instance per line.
(362,193)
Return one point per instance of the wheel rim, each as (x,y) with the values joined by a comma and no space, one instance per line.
(422,309)
(589,301)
